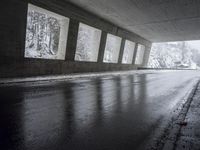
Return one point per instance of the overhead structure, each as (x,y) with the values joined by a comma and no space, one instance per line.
(155,20)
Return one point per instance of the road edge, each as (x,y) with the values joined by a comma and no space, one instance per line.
(167,136)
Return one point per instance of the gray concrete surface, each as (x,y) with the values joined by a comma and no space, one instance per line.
(155,20)
(112,112)
(13,14)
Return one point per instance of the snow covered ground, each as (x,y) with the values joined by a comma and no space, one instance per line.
(181,55)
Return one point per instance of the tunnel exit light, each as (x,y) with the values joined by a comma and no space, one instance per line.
(175,55)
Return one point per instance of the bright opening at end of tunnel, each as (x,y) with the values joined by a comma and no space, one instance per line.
(175,55)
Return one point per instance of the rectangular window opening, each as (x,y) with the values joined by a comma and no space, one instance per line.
(129,48)
(46,34)
(88,43)
(140,54)
(112,48)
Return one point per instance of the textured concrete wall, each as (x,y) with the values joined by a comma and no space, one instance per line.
(12,41)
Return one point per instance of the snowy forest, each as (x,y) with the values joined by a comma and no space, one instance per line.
(88,43)
(140,54)
(128,52)
(42,35)
(174,55)
(112,49)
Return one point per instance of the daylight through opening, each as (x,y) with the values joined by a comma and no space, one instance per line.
(176,55)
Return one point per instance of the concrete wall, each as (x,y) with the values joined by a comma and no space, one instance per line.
(12,41)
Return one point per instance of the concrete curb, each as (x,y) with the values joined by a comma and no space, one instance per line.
(72,76)
(167,135)
(172,138)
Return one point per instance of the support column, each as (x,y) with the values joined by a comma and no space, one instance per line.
(72,39)
(102,47)
(121,51)
(135,52)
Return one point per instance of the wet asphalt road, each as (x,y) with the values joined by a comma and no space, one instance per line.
(103,113)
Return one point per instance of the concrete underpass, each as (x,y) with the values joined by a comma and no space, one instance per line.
(74,75)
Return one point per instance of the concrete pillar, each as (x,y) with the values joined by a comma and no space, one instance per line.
(135,52)
(121,51)
(102,46)
(72,39)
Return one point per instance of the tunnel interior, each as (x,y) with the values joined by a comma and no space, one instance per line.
(54,38)
(99,75)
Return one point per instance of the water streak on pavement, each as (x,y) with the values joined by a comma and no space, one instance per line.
(114,112)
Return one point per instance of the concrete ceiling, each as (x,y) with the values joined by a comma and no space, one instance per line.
(155,20)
